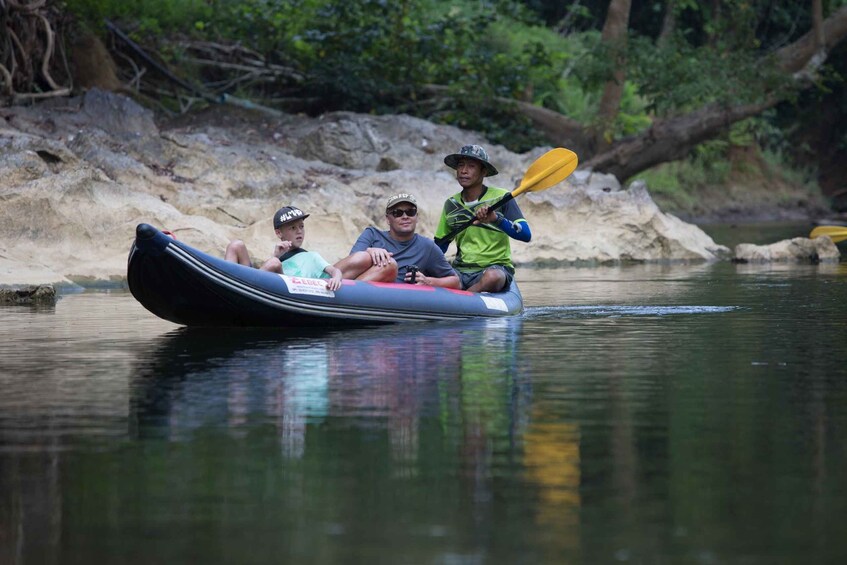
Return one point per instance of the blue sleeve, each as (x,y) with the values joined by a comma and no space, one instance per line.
(516,230)
(514,224)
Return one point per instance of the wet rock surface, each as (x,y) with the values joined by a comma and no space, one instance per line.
(795,250)
(78,175)
(40,295)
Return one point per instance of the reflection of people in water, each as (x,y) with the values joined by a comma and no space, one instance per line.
(398,376)
(456,392)
(299,396)
(376,373)
(493,397)
(200,379)
(463,375)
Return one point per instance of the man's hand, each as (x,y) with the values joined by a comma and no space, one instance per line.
(379,257)
(420,278)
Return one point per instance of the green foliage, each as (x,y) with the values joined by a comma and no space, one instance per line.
(678,77)
(669,184)
(370,54)
(271,27)
(153,17)
(381,55)
(501,123)
(633,115)
(677,186)
(734,160)
(795,175)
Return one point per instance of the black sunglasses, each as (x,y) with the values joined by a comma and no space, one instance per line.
(398,213)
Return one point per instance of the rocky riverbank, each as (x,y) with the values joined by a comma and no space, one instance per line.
(77,175)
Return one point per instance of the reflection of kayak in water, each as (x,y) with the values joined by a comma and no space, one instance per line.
(186,286)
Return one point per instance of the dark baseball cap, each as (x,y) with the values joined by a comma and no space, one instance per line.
(288,214)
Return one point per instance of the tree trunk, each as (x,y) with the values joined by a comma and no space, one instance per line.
(673,138)
(668,23)
(817,24)
(563,130)
(615,36)
(670,139)
(556,127)
(794,57)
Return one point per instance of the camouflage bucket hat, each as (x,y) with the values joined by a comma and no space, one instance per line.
(474,152)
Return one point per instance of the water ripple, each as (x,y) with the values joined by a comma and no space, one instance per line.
(611,310)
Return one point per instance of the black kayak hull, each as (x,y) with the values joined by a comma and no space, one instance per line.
(181,284)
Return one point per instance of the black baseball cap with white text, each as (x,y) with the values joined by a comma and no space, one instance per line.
(288,214)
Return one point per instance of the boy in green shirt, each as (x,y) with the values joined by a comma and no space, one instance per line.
(288,256)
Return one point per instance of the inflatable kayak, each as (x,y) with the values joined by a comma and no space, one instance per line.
(186,286)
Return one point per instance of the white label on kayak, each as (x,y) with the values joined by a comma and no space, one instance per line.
(494,303)
(299,285)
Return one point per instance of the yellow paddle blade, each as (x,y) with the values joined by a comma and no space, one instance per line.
(551,168)
(835,233)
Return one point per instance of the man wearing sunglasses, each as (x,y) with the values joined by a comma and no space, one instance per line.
(398,254)
(483,251)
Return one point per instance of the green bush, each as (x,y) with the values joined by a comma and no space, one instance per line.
(382,55)
(154,17)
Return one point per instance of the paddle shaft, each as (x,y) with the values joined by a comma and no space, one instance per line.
(459,229)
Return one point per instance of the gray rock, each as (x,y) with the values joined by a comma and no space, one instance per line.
(796,250)
(42,294)
(118,116)
(77,176)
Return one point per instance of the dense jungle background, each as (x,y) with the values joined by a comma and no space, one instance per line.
(719,105)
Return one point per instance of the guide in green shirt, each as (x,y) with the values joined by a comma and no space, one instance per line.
(483,251)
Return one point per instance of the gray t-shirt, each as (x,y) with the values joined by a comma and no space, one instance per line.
(418,251)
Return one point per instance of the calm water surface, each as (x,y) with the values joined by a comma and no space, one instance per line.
(645,414)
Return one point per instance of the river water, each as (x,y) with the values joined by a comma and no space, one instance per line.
(636,414)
